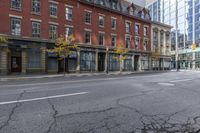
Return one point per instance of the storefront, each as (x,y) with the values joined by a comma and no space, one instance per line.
(87,61)
(114,63)
(128,63)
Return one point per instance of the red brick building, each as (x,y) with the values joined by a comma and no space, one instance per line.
(98,26)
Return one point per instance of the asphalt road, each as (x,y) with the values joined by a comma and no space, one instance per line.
(143,103)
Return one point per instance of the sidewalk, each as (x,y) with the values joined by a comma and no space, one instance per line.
(68,75)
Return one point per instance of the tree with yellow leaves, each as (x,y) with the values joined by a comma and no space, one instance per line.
(64,47)
(156,56)
(121,54)
(3,40)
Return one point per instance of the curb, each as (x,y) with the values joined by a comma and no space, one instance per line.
(76,75)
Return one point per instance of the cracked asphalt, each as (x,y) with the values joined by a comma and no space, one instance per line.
(136,103)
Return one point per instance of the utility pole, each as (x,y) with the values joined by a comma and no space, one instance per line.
(193,34)
(176,54)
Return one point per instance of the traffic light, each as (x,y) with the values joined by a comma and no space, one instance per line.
(193,46)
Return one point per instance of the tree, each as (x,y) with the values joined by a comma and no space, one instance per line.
(156,55)
(121,54)
(64,47)
(3,40)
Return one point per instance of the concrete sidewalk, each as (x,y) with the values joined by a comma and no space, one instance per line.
(68,75)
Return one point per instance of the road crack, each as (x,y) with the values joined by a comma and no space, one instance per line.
(12,112)
(54,116)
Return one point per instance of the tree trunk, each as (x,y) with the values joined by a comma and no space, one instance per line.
(64,66)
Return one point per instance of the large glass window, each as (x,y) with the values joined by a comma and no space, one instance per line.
(15,26)
(36,6)
(128,63)
(34,58)
(53,9)
(114,64)
(87,61)
(16,4)
(36,29)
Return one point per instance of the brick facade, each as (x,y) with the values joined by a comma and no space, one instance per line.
(20,45)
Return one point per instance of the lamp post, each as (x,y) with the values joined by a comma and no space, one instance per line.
(107,50)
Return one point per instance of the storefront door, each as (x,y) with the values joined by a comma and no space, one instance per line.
(101,62)
(16,64)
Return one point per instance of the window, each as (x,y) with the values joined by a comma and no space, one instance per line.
(161,38)
(114,5)
(16,26)
(88,17)
(113,23)
(69,13)
(36,6)
(101,2)
(87,61)
(68,31)
(137,43)
(145,44)
(34,58)
(16,4)
(53,31)
(101,39)
(101,21)
(53,9)
(88,37)
(128,41)
(145,31)
(113,40)
(128,27)
(35,29)
(137,28)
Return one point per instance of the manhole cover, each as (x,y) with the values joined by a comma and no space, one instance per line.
(166,84)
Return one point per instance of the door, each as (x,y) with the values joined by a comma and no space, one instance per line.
(101,62)
(136,62)
(16,64)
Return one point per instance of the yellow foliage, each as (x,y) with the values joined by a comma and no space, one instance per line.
(120,50)
(3,39)
(64,46)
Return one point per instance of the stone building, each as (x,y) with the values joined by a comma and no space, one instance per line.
(161,46)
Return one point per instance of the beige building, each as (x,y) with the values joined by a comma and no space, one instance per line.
(161,46)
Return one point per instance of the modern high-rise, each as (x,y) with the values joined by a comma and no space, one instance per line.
(184,16)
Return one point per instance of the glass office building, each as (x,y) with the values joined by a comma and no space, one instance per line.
(164,11)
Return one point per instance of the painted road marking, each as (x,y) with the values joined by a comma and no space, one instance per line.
(166,84)
(180,80)
(42,98)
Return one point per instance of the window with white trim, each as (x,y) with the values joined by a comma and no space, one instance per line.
(128,41)
(16,26)
(68,31)
(36,6)
(128,27)
(16,4)
(69,13)
(113,23)
(101,39)
(113,40)
(101,21)
(87,37)
(36,29)
(88,17)
(53,9)
(53,31)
